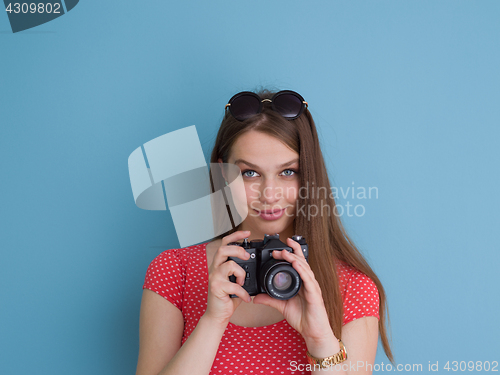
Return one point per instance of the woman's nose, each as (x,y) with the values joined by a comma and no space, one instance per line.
(270,193)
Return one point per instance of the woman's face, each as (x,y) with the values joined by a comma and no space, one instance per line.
(270,172)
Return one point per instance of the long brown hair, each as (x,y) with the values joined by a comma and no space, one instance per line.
(324,234)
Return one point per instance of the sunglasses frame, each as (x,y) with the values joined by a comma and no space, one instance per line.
(261,101)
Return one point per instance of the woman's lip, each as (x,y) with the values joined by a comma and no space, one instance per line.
(271,214)
(269,211)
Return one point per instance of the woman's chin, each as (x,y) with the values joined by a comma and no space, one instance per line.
(270,227)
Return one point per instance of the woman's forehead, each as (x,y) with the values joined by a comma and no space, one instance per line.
(261,149)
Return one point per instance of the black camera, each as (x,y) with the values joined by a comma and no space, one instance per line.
(264,274)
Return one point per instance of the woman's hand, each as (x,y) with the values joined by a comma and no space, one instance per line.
(306,311)
(220,306)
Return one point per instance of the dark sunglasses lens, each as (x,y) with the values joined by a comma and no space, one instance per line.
(244,107)
(288,105)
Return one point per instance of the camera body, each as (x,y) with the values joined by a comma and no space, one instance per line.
(264,274)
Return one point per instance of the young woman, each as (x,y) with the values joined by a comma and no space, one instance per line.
(190,325)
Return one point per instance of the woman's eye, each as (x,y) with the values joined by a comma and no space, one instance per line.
(288,172)
(249,173)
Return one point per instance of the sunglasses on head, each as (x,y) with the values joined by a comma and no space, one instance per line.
(246,104)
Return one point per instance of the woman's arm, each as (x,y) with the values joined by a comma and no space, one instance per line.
(161,323)
(160,328)
(306,313)
(360,338)
(160,332)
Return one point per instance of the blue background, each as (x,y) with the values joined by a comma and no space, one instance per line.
(406,99)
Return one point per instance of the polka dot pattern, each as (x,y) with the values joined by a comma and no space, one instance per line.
(181,276)
(359,292)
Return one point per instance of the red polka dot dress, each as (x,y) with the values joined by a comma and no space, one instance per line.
(181,276)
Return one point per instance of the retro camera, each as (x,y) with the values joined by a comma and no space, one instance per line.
(264,274)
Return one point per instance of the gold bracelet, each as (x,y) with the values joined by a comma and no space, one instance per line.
(335,359)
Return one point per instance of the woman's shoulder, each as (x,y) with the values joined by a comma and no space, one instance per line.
(359,293)
(177,261)
(169,268)
(352,278)
(345,270)
(167,273)
(182,255)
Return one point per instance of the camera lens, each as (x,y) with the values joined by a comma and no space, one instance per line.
(279,279)
(282,281)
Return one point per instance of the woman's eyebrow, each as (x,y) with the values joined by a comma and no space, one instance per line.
(279,166)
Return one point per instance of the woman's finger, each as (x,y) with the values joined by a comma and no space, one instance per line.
(264,299)
(238,235)
(230,268)
(297,249)
(311,285)
(237,290)
(226,251)
(290,257)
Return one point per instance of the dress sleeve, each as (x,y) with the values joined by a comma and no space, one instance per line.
(166,276)
(361,298)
